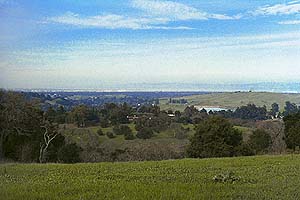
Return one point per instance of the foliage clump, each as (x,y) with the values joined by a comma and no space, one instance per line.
(292,130)
(214,137)
(100,132)
(69,153)
(144,133)
(110,135)
(260,141)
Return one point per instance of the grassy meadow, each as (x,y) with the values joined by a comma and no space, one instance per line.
(232,100)
(261,177)
(85,136)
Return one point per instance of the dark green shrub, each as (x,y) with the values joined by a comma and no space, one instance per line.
(214,137)
(179,132)
(100,132)
(260,141)
(144,133)
(243,150)
(117,130)
(110,135)
(104,123)
(128,135)
(69,153)
(292,130)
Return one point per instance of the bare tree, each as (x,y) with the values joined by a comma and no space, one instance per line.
(50,134)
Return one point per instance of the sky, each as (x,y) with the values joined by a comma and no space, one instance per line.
(97,44)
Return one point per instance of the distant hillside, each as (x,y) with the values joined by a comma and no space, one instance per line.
(233,100)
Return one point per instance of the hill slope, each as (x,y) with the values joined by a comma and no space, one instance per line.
(265,177)
(233,100)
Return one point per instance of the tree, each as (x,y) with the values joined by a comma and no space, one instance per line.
(290,109)
(128,135)
(61,115)
(274,110)
(50,114)
(69,153)
(117,130)
(251,111)
(122,129)
(104,123)
(26,131)
(100,132)
(110,135)
(214,137)
(260,141)
(144,133)
(21,119)
(179,131)
(51,132)
(292,130)
(80,114)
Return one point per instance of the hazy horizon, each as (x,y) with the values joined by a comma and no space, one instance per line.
(178,87)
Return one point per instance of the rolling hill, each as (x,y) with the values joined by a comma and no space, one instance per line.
(232,100)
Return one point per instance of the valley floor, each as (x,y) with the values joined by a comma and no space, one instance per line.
(260,177)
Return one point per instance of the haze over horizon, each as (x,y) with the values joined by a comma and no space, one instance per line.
(88,44)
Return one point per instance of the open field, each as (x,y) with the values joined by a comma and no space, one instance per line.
(89,134)
(262,177)
(233,100)
(98,148)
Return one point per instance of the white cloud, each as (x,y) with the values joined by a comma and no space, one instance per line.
(176,11)
(290,22)
(279,9)
(157,14)
(112,21)
(169,9)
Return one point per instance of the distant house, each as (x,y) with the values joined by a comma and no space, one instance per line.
(132,118)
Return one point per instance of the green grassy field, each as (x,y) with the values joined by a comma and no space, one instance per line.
(233,100)
(89,134)
(263,177)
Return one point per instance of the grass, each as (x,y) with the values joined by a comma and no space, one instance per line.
(89,134)
(262,177)
(233,100)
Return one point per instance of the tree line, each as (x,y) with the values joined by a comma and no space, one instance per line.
(31,134)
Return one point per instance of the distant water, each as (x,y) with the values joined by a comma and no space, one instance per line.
(254,87)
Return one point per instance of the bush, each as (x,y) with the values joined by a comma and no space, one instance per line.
(179,132)
(214,137)
(260,141)
(243,150)
(128,135)
(117,130)
(292,130)
(110,135)
(104,123)
(122,130)
(69,154)
(144,133)
(251,111)
(100,132)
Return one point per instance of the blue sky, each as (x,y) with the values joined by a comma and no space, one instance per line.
(87,44)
